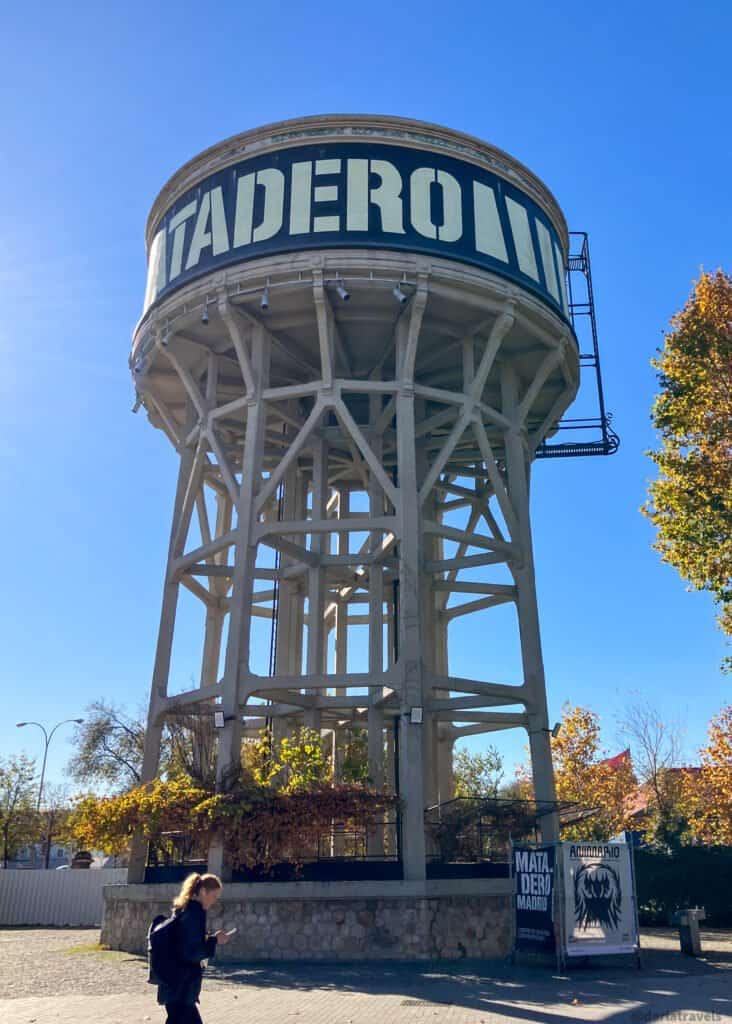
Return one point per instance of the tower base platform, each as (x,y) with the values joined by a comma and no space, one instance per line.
(441,919)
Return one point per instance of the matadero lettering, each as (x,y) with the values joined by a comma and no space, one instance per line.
(535,878)
(464,212)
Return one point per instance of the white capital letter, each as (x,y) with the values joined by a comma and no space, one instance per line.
(388,196)
(273,182)
(301,198)
(177,227)
(216,236)
(155,269)
(419,191)
(327,194)
(519,219)
(488,231)
(452,227)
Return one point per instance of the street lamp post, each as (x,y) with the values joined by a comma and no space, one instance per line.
(47,737)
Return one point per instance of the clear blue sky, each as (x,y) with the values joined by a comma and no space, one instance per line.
(621,108)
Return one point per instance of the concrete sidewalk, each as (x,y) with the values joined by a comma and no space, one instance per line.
(669,988)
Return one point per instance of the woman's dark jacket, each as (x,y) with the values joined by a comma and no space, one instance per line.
(193,946)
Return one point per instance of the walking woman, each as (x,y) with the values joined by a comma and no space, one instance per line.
(193,944)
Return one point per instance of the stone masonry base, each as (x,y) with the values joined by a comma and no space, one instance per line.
(333,921)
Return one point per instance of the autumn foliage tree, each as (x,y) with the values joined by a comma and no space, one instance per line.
(278,808)
(109,745)
(355,762)
(584,776)
(656,742)
(477,774)
(690,504)
(18,819)
(708,792)
(53,818)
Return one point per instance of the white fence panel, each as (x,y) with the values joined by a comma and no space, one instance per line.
(55,898)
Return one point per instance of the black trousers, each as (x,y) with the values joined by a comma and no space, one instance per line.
(179,1013)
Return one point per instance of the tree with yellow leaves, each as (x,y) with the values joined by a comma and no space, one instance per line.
(278,807)
(259,824)
(691,502)
(708,791)
(585,776)
(291,763)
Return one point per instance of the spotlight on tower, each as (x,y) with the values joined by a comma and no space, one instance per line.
(340,288)
(399,295)
(204,315)
(264,301)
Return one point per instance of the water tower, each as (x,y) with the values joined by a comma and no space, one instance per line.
(357,337)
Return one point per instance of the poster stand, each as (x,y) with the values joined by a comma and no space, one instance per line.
(560,904)
(562,901)
(555,907)
(512,876)
(638,955)
(564,953)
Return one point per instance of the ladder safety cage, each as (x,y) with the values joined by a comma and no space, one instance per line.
(582,312)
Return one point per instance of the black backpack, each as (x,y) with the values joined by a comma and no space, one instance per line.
(162,954)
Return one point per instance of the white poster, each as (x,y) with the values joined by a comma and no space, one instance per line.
(599,899)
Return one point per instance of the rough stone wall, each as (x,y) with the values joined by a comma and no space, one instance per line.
(415,927)
(125,922)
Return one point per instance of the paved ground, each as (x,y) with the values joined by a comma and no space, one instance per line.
(61,976)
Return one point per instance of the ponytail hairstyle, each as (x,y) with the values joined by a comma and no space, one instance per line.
(191,888)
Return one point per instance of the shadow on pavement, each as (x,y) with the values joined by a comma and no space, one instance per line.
(668,985)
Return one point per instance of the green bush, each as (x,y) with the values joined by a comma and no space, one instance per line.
(693,876)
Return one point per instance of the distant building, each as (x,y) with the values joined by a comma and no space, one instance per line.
(642,801)
(34,856)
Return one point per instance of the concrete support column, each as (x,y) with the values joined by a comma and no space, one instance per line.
(389,779)
(245,550)
(376,637)
(429,616)
(445,736)
(445,755)
(341,630)
(410,664)
(517,469)
(289,643)
(163,651)
(341,625)
(316,653)
(215,614)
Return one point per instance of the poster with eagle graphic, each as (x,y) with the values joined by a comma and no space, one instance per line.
(599,899)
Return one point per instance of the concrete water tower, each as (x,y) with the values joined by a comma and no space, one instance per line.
(357,338)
